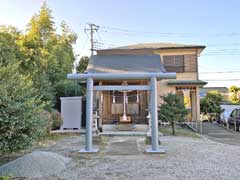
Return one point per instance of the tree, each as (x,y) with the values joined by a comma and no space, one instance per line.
(234,94)
(211,103)
(83,63)
(48,56)
(172,110)
(20,117)
(41,26)
(9,50)
(31,65)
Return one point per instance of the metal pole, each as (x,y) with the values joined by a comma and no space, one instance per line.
(154,118)
(89,117)
(235,126)
(124,106)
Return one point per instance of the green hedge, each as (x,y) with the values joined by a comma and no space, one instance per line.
(21,119)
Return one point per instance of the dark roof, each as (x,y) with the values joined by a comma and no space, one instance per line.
(219,89)
(125,64)
(155,46)
(187,82)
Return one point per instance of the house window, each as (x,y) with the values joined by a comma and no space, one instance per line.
(180,63)
(174,63)
(190,63)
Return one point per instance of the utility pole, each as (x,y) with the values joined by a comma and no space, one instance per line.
(92,28)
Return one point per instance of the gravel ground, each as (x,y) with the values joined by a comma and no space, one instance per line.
(186,159)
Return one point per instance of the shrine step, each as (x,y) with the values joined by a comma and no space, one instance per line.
(125,127)
(123,133)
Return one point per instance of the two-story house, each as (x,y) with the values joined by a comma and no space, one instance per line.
(116,107)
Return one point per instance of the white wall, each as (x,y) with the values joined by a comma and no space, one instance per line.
(71,111)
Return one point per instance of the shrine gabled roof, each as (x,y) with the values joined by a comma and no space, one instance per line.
(125,64)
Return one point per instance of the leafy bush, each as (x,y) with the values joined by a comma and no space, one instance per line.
(48,117)
(21,121)
(234,94)
(5,178)
(56,120)
(172,110)
(211,103)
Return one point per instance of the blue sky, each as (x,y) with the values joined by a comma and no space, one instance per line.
(214,23)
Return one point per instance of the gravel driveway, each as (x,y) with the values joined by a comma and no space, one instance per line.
(186,159)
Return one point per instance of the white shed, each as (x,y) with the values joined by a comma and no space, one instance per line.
(71,111)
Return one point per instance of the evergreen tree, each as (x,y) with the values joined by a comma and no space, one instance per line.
(211,103)
(83,63)
(9,50)
(172,110)
(21,121)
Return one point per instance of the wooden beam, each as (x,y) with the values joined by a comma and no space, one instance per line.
(121,88)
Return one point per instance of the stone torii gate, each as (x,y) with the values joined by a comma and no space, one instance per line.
(153,77)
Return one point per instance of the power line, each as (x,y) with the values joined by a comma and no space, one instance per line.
(219,72)
(123,30)
(217,54)
(207,52)
(220,79)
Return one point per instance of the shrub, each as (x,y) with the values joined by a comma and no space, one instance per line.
(5,178)
(21,121)
(48,117)
(56,120)
(172,110)
(211,103)
(234,94)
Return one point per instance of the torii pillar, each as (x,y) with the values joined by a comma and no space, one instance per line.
(89,117)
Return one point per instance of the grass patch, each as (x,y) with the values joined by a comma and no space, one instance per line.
(5,178)
(181,130)
(43,142)
(52,139)
(83,158)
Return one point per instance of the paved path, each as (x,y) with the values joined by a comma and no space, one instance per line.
(125,145)
(217,133)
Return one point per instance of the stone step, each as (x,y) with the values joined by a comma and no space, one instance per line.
(123,133)
(125,127)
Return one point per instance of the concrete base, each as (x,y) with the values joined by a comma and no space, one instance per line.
(125,127)
(97,139)
(148,140)
(93,150)
(159,151)
(123,133)
(68,131)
